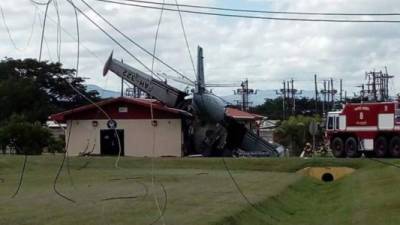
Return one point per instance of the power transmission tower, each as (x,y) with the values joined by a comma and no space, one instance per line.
(316,93)
(329,92)
(283,93)
(378,85)
(245,92)
(341,91)
(289,95)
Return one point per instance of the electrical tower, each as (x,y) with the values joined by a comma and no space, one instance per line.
(377,86)
(289,95)
(244,92)
(329,96)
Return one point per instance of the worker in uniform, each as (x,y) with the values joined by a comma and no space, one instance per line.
(308,151)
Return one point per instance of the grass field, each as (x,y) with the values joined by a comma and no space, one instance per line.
(199,191)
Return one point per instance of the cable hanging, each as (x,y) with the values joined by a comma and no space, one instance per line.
(255,17)
(109,36)
(78,42)
(43,29)
(153,146)
(265,11)
(136,44)
(185,36)
(9,31)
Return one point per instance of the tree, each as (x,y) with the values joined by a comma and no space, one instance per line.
(25,137)
(294,133)
(29,92)
(38,89)
(273,108)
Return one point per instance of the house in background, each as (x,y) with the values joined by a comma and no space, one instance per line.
(267,128)
(56,129)
(127,128)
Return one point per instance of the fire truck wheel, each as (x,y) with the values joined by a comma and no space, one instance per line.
(351,148)
(380,147)
(394,147)
(337,148)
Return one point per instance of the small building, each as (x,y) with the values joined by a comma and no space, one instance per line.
(123,125)
(57,130)
(267,129)
(251,120)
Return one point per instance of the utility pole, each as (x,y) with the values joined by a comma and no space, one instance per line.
(293,92)
(284,100)
(323,103)
(362,92)
(328,108)
(341,90)
(329,93)
(289,95)
(333,92)
(122,87)
(122,83)
(374,86)
(378,85)
(316,93)
(283,93)
(245,91)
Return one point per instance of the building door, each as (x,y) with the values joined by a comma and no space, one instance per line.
(109,144)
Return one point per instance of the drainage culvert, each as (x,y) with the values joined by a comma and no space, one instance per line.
(326,174)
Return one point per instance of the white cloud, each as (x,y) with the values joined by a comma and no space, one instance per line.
(266,52)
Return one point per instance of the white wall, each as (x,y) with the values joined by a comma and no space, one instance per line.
(138,137)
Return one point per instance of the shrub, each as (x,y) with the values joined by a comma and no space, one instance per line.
(294,133)
(56,145)
(26,137)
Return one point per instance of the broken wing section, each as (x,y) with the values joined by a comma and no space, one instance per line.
(159,90)
(252,145)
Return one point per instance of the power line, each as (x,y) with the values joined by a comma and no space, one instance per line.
(265,11)
(39,3)
(78,42)
(155,41)
(256,17)
(9,31)
(72,37)
(109,36)
(21,178)
(131,40)
(185,36)
(241,191)
(153,178)
(384,162)
(55,3)
(44,37)
(43,29)
(61,167)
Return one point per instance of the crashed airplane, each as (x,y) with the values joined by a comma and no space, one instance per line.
(210,131)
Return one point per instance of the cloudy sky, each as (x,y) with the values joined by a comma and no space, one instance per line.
(266,52)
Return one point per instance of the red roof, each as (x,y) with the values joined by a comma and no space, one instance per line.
(242,115)
(138,109)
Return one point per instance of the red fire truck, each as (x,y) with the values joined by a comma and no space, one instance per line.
(369,128)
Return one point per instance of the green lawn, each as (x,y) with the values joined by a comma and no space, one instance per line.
(199,191)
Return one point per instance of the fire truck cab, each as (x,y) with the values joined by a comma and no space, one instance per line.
(372,129)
